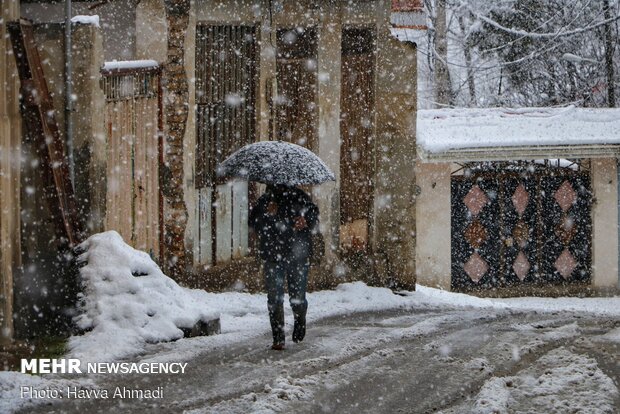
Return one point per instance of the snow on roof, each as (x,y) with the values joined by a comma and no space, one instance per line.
(442,131)
(94,20)
(129,64)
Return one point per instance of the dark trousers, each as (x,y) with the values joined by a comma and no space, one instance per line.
(296,275)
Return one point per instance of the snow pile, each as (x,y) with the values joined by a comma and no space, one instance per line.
(441,130)
(566,381)
(94,20)
(128,301)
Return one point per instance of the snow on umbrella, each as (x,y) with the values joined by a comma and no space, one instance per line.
(276,162)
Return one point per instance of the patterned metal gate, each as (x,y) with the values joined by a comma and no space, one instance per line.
(522,224)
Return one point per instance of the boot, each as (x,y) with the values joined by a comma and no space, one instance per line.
(276,318)
(299,329)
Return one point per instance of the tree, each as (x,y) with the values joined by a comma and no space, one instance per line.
(521,53)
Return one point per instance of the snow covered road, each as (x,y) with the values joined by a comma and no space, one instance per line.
(396,361)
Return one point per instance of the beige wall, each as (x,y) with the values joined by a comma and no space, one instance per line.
(116,17)
(605,223)
(151,30)
(89,126)
(10,148)
(433,255)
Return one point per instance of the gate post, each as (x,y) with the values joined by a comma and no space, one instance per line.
(604,178)
(395,184)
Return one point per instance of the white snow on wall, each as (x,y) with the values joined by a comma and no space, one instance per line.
(94,20)
(128,302)
(441,130)
(130,64)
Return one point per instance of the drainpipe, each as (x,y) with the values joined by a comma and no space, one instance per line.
(69,93)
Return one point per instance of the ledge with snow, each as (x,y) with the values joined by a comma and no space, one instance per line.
(498,134)
(127,301)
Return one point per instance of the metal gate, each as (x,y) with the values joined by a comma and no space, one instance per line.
(132,119)
(515,224)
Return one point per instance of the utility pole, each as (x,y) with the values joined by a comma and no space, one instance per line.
(69,93)
(609,56)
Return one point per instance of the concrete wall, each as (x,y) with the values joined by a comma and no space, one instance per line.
(605,223)
(433,224)
(10,143)
(116,17)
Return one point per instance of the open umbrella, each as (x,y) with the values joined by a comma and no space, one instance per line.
(276,162)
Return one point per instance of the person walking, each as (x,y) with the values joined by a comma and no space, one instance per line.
(284,219)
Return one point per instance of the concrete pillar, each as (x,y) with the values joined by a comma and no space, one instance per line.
(433,209)
(89,129)
(327,195)
(604,223)
(394,228)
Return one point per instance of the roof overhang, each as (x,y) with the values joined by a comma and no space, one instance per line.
(521,153)
(511,134)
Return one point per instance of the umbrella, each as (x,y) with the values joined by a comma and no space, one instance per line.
(276,162)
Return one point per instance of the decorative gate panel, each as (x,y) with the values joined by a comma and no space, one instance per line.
(514,228)
(475,247)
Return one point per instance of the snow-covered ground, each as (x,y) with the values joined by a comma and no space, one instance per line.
(127,314)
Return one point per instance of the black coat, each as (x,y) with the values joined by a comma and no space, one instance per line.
(277,238)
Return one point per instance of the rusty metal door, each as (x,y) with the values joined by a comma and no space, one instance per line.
(511,228)
(132,118)
(226,90)
(357,105)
